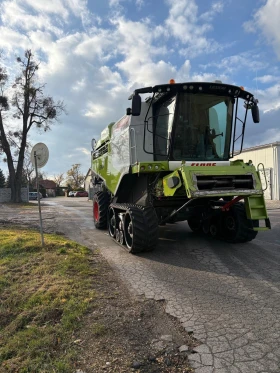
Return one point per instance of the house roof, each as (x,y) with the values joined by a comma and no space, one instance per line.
(47,184)
(257,147)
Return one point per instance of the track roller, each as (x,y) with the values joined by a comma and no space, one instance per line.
(235,227)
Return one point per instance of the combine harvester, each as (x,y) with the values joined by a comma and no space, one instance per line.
(168,160)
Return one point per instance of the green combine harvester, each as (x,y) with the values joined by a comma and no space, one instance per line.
(168,160)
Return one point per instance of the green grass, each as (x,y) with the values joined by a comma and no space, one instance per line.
(44,294)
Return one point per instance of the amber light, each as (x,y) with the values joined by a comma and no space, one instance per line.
(171,81)
(242,88)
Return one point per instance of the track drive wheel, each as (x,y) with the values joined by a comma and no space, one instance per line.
(140,229)
(235,227)
(100,209)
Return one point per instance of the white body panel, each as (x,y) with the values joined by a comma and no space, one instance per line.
(173,165)
(136,129)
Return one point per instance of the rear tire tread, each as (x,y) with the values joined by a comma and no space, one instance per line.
(102,199)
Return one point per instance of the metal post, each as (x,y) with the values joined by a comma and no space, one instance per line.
(39,202)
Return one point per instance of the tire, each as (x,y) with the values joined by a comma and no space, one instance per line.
(140,229)
(235,227)
(195,224)
(100,209)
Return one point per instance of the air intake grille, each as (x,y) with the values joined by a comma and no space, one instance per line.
(227,182)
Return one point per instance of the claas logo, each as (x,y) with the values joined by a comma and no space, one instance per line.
(204,164)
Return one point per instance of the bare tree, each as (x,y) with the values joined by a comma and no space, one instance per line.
(75,176)
(31,108)
(58,179)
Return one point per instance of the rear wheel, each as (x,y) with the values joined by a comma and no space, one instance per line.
(140,229)
(100,208)
(235,227)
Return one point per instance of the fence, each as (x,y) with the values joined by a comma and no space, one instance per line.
(5,195)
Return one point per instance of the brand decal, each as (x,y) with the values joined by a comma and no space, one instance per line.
(204,164)
(217,87)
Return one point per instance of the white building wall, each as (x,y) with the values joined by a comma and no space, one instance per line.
(270,157)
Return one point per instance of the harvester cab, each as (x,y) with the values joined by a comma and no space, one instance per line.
(168,160)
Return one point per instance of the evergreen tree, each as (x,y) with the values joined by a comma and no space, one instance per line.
(8,182)
(2,179)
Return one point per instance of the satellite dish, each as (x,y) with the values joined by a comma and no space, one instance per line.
(42,154)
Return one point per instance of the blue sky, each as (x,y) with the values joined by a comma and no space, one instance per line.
(95,53)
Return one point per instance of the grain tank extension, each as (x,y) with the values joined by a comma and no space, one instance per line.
(168,160)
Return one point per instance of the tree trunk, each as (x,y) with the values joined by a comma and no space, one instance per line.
(15,190)
(15,196)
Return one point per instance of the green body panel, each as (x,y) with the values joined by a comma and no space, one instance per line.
(189,173)
(105,168)
(254,198)
(256,210)
(169,192)
(150,167)
(111,159)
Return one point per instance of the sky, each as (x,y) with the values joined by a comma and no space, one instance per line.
(95,53)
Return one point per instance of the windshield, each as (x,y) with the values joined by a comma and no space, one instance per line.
(202,129)
(197,125)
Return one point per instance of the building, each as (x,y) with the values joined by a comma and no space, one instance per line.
(269,156)
(49,186)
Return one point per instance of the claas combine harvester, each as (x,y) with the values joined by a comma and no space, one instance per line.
(168,160)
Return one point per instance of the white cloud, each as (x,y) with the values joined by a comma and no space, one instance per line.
(11,39)
(139,3)
(267,20)
(267,78)
(237,62)
(50,6)
(96,110)
(209,77)
(216,8)
(185,25)
(269,99)
(84,151)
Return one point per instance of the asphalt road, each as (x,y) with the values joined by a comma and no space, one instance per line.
(227,295)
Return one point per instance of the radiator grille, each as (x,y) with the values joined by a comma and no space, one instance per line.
(228,182)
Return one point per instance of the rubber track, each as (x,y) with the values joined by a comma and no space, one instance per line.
(145,226)
(245,226)
(102,199)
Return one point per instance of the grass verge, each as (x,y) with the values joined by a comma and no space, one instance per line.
(44,294)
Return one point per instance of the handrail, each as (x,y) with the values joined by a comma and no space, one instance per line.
(264,174)
(134,147)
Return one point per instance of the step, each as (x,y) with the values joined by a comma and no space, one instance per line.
(261,229)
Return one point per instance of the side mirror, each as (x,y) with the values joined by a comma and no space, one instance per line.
(93,144)
(136,105)
(255,113)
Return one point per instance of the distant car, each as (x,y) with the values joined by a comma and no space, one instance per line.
(34,196)
(72,193)
(81,194)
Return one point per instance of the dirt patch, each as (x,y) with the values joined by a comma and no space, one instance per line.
(137,335)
